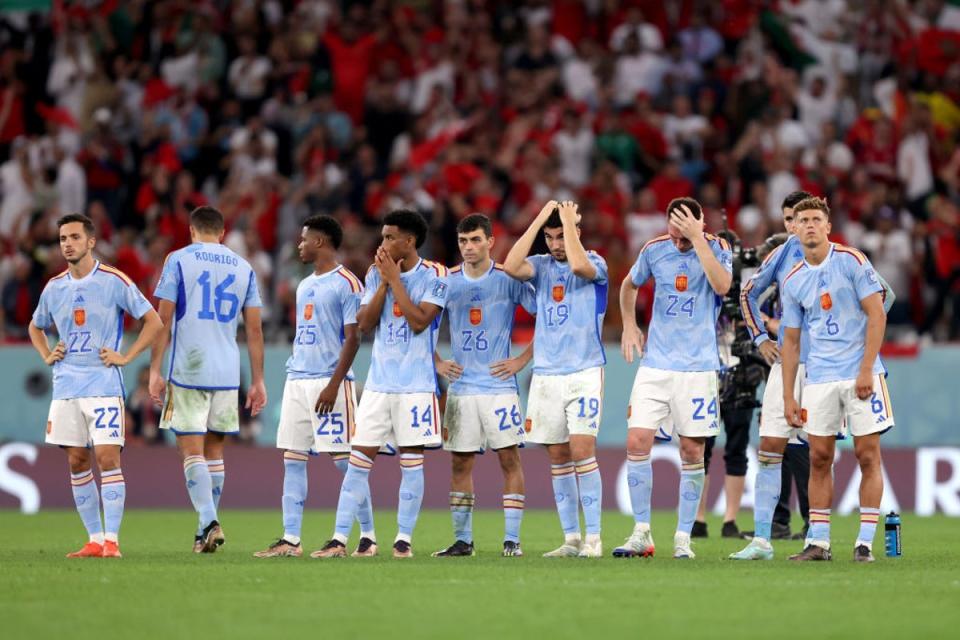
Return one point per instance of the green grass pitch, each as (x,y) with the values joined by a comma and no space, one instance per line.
(161,590)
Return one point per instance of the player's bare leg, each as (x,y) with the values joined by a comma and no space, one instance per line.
(353,491)
(567,496)
(640,481)
(513,499)
(867,450)
(200,488)
(113,493)
(87,500)
(821,497)
(461,506)
(766,494)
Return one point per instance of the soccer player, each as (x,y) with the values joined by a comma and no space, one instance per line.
(834,295)
(403,298)
(775,432)
(566,393)
(319,403)
(85,304)
(483,406)
(203,290)
(677,378)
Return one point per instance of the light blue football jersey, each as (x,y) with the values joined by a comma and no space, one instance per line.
(326,303)
(88,315)
(773,270)
(480,313)
(570,312)
(211,286)
(825,302)
(683,329)
(402,361)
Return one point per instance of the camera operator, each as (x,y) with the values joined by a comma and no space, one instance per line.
(744,369)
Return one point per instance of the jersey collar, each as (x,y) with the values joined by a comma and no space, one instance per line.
(463,270)
(406,274)
(825,260)
(96,267)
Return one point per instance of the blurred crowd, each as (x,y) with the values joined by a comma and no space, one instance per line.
(135,112)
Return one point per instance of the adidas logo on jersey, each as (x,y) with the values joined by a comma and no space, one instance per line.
(79,299)
(114,434)
(476,297)
(683,267)
(310,293)
(338,440)
(427,433)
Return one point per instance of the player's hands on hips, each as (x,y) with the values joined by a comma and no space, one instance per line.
(156,387)
(326,399)
(791,411)
(389,270)
(111,358)
(449,369)
(769,351)
(690,227)
(57,354)
(545,212)
(631,341)
(864,384)
(506,369)
(256,397)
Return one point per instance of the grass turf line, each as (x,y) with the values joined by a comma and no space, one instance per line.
(161,590)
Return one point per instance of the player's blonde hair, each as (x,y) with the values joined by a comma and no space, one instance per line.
(813,203)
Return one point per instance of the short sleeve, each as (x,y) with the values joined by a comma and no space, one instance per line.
(169,282)
(792,311)
(640,271)
(42,318)
(865,280)
(370,285)
(133,301)
(537,263)
(600,265)
(253,292)
(723,254)
(349,304)
(436,291)
(523,294)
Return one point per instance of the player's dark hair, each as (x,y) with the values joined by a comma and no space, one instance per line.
(87,223)
(794,198)
(328,226)
(692,204)
(206,219)
(812,203)
(553,220)
(409,221)
(476,221)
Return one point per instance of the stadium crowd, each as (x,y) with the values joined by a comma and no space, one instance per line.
(136,112)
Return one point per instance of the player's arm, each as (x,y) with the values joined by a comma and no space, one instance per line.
(39,340)
(449,369)
(148,333)
(505,369)
(418,316)
(758,325)
(577,256)
(156,385)
(631,341)
(257,394)
(876,326)
(348,351)
(790,324)
(516,264)
(718,275)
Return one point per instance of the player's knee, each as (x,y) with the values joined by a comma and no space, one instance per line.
(868,458)
(108,460)
(509,460)
(773,445)
(691,449)
(821,459)
(582,449)
(461,464)
(78,459)
(640,441)
(559,453)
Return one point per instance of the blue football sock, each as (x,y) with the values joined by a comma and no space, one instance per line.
(461,510)
(113,492)
(217,476)
(591,492)
(365,512)
(355,487)
(567,496)
(691,486)
(87,499)
(294,493)
(869,516)
(411,494)
(766,493)
(512,516)
(200,488)
(640,483)
(819,531)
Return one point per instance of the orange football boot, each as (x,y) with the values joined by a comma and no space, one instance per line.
(111,550)
(89,550)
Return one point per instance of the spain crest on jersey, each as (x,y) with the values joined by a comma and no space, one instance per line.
(308,312)
(79,317)
(558,292)
(476,315)
(396,310)
(826,302)
(680,282)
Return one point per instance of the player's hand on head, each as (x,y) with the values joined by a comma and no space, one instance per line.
(449,369)
(546,211)
(256,398)
(111,358)
(568,211)
(326,399)
(506,369)
(769,351)
(864,384)
(689,226)
(631,342)
(58,353)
